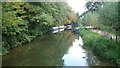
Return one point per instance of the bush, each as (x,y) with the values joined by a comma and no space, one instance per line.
(23,21)
(101,45)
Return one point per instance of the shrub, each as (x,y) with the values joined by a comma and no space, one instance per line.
(101,45)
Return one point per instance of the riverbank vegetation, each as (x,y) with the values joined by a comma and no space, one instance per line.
(103,16)
(101,45)
(22,21)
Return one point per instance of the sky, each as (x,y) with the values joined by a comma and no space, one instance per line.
(77,5)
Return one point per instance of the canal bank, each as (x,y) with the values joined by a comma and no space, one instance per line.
(63,48)
(101,45)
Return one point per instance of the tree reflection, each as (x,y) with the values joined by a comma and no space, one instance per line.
(46,50)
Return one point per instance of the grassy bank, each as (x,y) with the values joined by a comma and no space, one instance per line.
(101,45)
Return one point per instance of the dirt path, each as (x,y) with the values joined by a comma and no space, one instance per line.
(105,33)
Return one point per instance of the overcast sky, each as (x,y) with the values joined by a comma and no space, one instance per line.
(77,5)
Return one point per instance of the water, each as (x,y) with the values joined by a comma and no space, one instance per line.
(60,49)
(75,54)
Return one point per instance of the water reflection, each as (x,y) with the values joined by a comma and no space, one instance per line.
(94,60)
(60,49)
(55,31)
(79,56)
(75,55)
(46,50)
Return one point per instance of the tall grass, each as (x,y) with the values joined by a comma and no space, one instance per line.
(101,45)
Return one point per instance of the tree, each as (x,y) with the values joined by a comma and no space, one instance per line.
(92,6)
(108,16)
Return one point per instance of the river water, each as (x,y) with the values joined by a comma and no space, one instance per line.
(63,48)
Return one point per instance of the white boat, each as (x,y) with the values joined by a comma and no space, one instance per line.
(69,26)
(55,28)
(61,27)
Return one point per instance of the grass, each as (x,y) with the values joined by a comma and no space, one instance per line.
(101,45)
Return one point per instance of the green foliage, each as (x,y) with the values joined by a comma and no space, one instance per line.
(106,16)
(101,45)
(22,21)
(92,6)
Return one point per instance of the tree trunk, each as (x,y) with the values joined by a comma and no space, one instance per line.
(116,36)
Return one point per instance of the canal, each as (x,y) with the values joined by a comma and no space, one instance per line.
(63,48)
